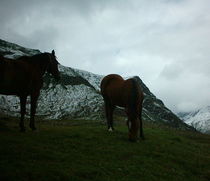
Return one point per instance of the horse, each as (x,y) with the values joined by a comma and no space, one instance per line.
(23,77)
(127,94)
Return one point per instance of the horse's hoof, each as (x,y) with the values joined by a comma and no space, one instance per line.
(110,129)
(22,130)
(133,140)
(33,129)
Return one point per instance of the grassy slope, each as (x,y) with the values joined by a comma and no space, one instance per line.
(89,152)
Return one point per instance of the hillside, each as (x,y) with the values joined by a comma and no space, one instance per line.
(199,119)
(77,95)
(80,151)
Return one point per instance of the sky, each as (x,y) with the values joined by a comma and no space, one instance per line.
(165,42)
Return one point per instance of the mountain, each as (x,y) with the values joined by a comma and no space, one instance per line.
(77,95)
(199,119)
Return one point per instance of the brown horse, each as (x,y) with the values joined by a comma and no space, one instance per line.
(123,93)
(24,77)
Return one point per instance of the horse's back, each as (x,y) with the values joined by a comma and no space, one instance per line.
(112,89)
(119,91)
(111,81)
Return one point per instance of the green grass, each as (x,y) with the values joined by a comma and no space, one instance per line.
(87,151)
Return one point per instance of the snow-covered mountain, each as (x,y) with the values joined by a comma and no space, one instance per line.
(199,119)
(77,95)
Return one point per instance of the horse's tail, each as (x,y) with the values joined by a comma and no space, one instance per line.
(136,100)
(135,93)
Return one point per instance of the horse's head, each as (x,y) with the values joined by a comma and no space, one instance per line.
(53,65)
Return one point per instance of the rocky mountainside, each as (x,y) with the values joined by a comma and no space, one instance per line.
(199,119)
(77,95)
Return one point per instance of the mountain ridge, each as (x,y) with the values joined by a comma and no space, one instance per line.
(77,95)
(199,119)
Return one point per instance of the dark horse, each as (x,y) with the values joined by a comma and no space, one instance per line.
(24,77)
(123,93)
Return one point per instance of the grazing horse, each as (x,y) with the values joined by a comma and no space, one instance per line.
(24,77)
(123,93)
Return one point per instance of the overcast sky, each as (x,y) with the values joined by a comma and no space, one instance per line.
(165,42)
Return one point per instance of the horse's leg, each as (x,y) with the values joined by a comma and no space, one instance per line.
(134,123)
(111,117)
(128,124)
(128,121)
(107,111)
(140,121)
(133,133)
(109,114)
(22,112)
(34,98)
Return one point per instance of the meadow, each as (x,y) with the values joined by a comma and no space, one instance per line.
(84,150)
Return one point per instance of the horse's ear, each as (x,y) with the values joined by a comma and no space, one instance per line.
(53,52)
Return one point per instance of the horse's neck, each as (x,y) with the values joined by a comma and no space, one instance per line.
(1,58)
(1,65)
(40,62)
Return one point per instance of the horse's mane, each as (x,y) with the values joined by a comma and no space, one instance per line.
(2,59)
(38,57)
(34,58)
(5,59)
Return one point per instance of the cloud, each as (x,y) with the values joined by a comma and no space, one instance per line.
(183,89)
(165,42)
